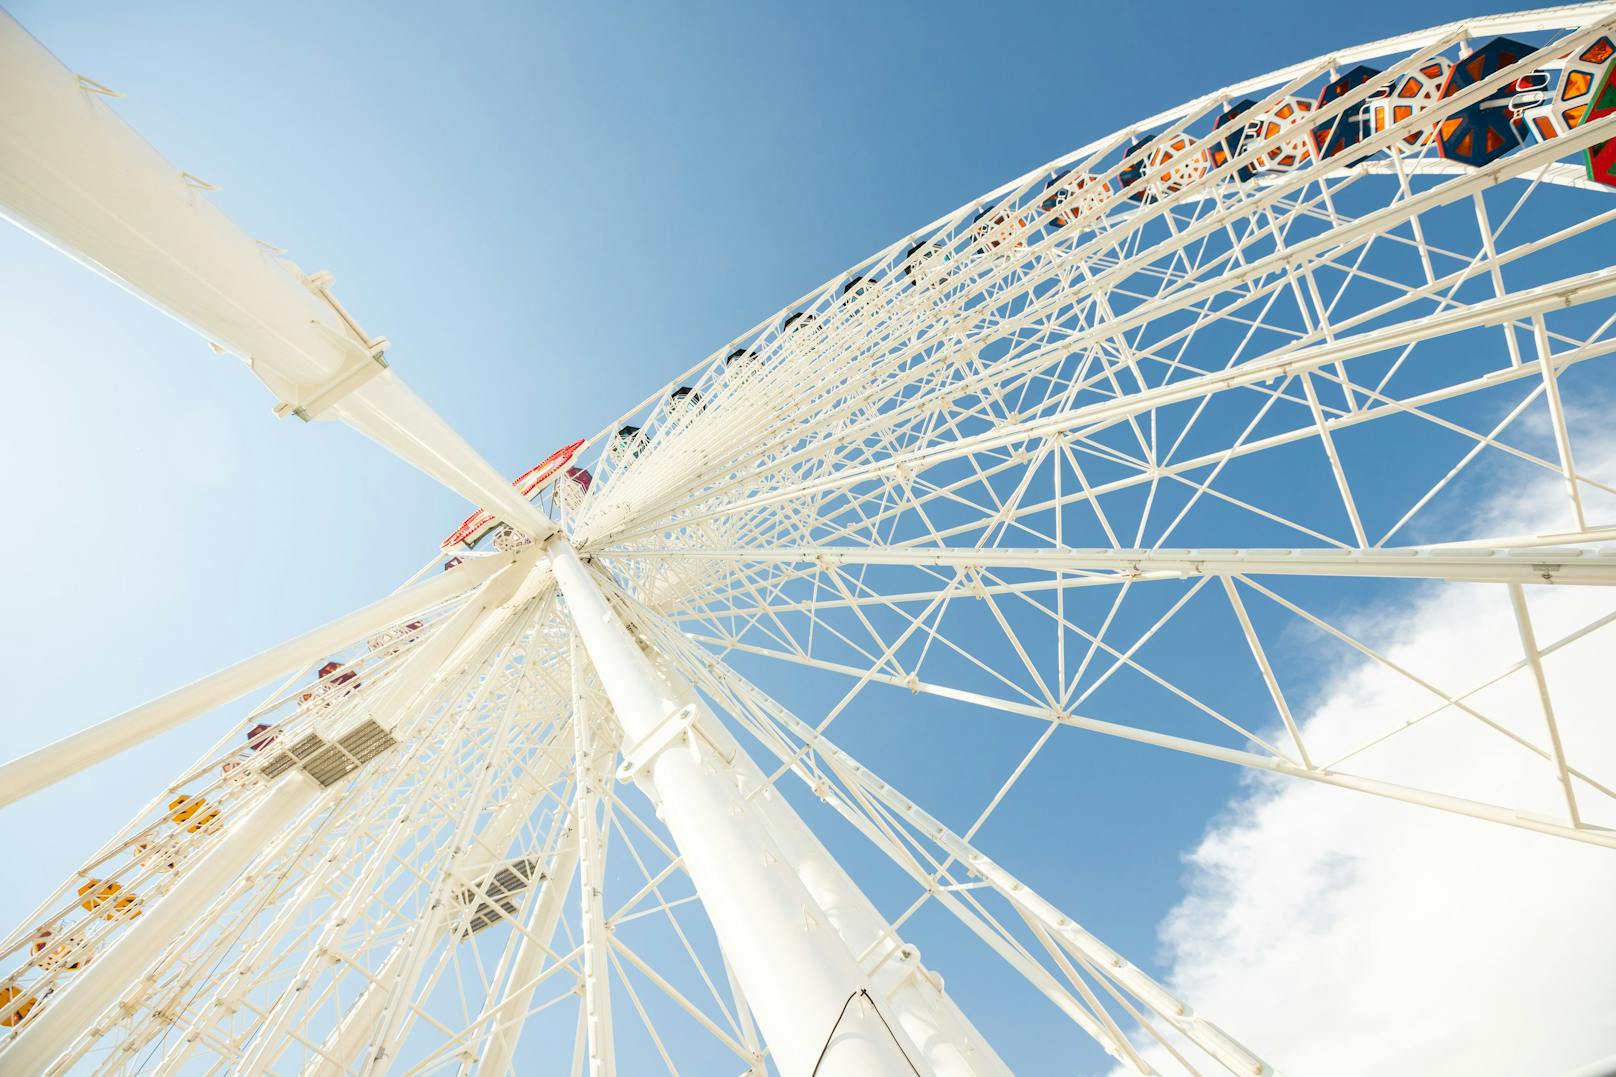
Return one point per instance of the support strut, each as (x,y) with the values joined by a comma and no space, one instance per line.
(803,984)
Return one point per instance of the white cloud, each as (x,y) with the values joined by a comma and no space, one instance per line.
(1337,933)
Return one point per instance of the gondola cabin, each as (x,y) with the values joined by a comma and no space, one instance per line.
(1553,107)
(330,669)
(1073,196)
(51,953)
(164,855)
(1485,130)
(1405,99)
(573,488)
(1601,156)
(15,1005)
(1175,164)
(683,401)
(109,899)
(1233,141)
(996,228)
(391,637)
(924,262)
(1334,137)
(861,295)
(331,678)
(1284,128)
(630,441)
(194,813)
(1132,175)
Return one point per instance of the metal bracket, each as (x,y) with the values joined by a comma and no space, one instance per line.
(368,352)
(346,381)
(674,727)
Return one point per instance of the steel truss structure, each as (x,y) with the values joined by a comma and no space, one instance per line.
(1177,393)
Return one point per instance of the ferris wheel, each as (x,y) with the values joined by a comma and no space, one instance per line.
(1082,459)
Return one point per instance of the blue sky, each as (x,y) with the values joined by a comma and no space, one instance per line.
(548,212)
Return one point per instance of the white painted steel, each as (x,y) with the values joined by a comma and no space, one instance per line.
(1099,956)
(1426,41)
(1537,565)
(593,753)
(50,764)
(77,176)
(987,478)
(357,1024)
(469,628)
(799,977)
(505,1012)
(358,1027)
(1274,763)
(73,1011)
(910,993)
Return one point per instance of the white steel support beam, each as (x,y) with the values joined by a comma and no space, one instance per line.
(1089,419)
(1478,564)
(66,1016)
(945,1037)
(1587,832)
(803,984)
(75,175)
(398,993)
(1534,659)
(1261,656)
(593,760)
(1094,953)
(471,624)
(229,995)
(358,1025)
(544,913)
(399,990)
(743,1015)
(50,764)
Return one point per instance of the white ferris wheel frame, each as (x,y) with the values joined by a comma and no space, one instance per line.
(484,667)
